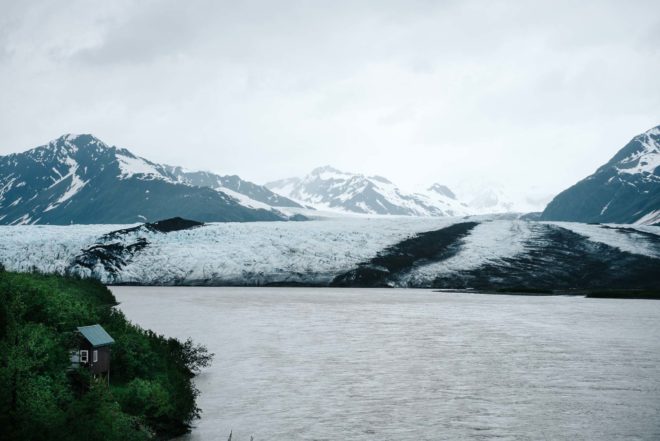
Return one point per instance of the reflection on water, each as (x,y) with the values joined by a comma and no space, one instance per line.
(370,364)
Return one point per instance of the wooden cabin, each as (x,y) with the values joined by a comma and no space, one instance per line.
(93,350)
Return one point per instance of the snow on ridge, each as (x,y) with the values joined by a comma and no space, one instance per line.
(6,187)
(605,207)
(76,184)
(327,188)
(132,166)
(242,199)
(66,142)
(646,160)
(71,136)
(655,131)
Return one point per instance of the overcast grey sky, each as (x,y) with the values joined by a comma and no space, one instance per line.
(535,95)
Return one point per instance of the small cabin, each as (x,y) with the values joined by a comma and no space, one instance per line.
(93,350)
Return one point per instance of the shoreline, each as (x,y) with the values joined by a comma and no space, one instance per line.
(633,294)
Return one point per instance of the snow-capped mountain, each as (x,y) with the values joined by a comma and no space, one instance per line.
(442,190)
(625,190)
(491,200)
(492,197)
(80,179)
(327,188)
(249,193)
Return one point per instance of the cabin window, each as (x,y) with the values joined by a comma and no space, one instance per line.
(84,356)
(95,356)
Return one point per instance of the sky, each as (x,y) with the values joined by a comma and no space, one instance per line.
(528,96)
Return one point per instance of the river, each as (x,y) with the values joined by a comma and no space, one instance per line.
(395,364)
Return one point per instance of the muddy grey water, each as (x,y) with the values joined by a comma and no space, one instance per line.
(369,364)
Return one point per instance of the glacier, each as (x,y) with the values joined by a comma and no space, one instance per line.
(494,251)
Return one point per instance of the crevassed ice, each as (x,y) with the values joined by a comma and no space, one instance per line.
(487,242)
(256,252)
(628,242)
(266,252)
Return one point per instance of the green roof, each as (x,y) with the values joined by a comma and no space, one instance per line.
(96,335)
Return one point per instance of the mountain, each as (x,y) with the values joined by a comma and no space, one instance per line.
(493,197)
(80,179)
(327,188)
(625,190)
(245,191)
(491,200)
(442,190)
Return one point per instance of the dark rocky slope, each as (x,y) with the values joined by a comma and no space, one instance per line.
(624,190)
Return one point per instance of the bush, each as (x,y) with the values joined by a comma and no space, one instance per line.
(151,395)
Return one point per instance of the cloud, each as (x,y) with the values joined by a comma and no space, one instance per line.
(418,91)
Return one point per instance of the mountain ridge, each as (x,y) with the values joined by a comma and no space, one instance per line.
(327,188)
(81,179)
(626,189)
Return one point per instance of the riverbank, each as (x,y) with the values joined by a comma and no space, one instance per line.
(150,394)
(600,294)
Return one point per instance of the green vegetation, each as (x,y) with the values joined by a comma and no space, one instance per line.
(151,394)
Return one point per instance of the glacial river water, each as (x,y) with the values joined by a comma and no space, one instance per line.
(392,364)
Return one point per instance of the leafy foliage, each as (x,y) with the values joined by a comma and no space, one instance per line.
(151,395)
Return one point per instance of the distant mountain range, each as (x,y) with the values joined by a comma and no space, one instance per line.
(624,190)
(327,188)
(80,179)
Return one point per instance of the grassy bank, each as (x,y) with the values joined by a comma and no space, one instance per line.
(151,394)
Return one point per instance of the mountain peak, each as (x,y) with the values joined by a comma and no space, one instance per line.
(72,142)
(655,131)
(82,138)
(325,169)
(80,179)
(443,190)
(327,188)
(624,190)
(380,179)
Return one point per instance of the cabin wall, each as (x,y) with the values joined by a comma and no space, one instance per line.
(84,345)
(103,364)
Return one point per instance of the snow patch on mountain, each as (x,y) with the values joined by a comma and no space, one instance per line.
(132,165)
(441,190)
(76,184)
(243,199)
(646,160)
